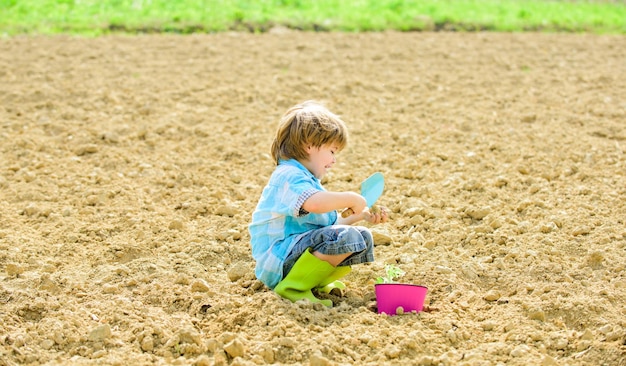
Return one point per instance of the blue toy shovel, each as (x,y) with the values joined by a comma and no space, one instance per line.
(371,189)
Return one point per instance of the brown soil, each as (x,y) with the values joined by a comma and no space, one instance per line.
(130,166)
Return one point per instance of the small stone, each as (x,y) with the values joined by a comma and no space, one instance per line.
(176,225)
(220,358)
(93,200)
(549,361)
(234,348)
(100,333)
(226,210)
(492,295)
(110,137)
(29,177)
(200,285)
(392,352)
(99,354)
(147,343)
(47,344)
(581,230)
(489,325)
(182,279)
(501,181)
(203,360)
(190,336)
(58,337)
(237,271)
(451,335)
(235,234)
(548,227)
(414,211)
(86,149)
(613,336)
(478,213)
(212,344)
(382,237)
(110,289)
(318,360)
(520,351)
(375,209)
(430,244)
(227,337)
(31,209)
(373,343)
(587,335)
(13,269)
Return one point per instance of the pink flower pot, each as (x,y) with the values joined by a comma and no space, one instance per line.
(391,296)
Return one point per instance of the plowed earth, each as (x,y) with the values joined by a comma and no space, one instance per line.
(130,166)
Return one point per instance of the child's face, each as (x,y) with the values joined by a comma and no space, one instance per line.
(321,159)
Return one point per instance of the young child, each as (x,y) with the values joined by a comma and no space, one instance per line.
(298,239)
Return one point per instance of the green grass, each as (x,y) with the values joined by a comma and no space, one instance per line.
(93,17)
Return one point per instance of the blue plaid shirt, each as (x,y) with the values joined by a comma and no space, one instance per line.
(279,220)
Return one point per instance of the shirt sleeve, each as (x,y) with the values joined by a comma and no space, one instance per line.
(303,197)
(291,193)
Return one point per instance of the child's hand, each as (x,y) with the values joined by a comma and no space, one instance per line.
(376,214)
(358,206)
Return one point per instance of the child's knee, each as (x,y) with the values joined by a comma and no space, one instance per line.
(364,234)
(360,234)
(355,234)
(367,236)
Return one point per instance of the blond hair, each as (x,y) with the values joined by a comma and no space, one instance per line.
(307,124)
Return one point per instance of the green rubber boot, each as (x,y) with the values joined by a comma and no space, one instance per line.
(332,285)
(306,273)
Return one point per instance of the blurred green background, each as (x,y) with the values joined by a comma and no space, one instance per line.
(92,17)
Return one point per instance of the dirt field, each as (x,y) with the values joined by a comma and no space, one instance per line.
(130,166)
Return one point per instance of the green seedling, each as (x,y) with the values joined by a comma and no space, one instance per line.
(392,272)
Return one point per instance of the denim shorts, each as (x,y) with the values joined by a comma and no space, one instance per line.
(335,240)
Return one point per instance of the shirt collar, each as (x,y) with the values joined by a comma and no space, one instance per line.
(297,164)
